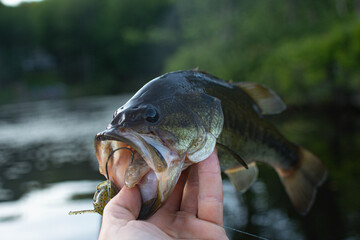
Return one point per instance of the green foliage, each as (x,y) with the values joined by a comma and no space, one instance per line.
(308,51)
(305,50)
(317,68)
(91,46)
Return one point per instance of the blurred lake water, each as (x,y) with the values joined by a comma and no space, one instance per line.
(48,168)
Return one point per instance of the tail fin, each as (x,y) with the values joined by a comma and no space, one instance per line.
(302,182)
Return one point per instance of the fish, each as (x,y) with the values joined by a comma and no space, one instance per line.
(178,119)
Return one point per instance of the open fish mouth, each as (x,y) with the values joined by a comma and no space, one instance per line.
(127,159)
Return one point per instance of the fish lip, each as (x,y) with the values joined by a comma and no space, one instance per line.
(149,208)
(147,151)
(112,134)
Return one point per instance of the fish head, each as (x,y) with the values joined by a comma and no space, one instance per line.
(150,141)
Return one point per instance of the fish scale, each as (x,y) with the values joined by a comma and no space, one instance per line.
(177,119)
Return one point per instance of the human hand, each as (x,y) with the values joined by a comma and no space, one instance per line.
(194,210)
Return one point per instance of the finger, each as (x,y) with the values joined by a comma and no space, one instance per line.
(210,200)
(191,191)
(174,200)
(168,211)
(125,206)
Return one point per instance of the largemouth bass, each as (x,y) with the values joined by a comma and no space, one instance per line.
(178,119)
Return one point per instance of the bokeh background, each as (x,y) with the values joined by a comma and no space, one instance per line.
(67,65)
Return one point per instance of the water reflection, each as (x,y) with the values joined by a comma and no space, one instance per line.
(42,214)
(44,145)
(46,153)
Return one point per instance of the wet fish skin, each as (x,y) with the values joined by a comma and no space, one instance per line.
(247,133)
(244,130)
(170,124)
(180,116)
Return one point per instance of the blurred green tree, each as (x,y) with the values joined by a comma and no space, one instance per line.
(302,49)
(93,47)
(307,51)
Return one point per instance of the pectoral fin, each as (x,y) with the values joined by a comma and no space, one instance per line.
(234,154)
(241,177)
(268,101)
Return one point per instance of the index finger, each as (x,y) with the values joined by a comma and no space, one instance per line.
(210,198)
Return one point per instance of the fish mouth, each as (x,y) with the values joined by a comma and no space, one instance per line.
(128,158)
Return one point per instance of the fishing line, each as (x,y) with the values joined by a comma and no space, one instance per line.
(233,229)
(112,152)
(245,233)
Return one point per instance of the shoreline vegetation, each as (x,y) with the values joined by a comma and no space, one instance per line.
(308,52)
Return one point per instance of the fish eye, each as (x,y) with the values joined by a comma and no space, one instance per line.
(151,115)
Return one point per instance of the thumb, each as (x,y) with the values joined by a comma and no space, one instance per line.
(125,205)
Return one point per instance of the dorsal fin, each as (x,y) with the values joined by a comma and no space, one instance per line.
(268,101)
(241,177)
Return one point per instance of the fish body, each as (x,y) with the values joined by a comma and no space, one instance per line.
(178,119)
